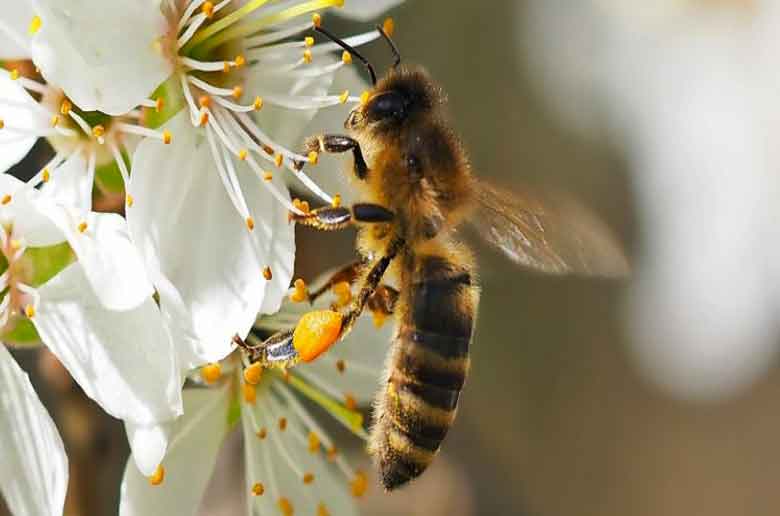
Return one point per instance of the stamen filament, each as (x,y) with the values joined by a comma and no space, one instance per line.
(217,157)
(224,23)
(205,66)
(120,162)
(80,122)
(140,130)
(188,12)
(223,92)
(273,37)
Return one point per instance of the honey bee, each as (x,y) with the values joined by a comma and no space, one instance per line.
(417,187)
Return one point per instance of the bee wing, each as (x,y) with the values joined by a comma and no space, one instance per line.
(550,233)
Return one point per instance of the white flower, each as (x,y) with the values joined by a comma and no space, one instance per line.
(33,465)
(291,462)
(691,90)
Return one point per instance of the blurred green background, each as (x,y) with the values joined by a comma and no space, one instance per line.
(554,419)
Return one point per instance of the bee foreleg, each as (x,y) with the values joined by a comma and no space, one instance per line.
(332,218)
(337,144)
(275,351)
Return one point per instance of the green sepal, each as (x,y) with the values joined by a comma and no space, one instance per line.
(46,262)
(23,334)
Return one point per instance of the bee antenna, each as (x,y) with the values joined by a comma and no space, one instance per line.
(340,42)
(390,42)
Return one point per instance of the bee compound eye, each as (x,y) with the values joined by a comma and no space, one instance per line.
(386,105)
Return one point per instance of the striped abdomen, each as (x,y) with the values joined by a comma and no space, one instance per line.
(427,368)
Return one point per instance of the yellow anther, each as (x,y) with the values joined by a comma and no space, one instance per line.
(344,96)
(316,19)
(129,200)
(346,57)
(158,476)
(314,157)
(55,120)
(322,510)
(35,25)
(253,373)
(211,372)
(204,101)
(316,332)
(268,176)
(46,175)
(250,223)
(379,318)
(301,205)
(308,42)
(262,433)
(300,293)
(29,311)
(16,244)
(208,9)
(341,366)
(307,56)
(336,202)
(237,92)
(278,159)
(282,424)
(343,293)
(314,442)
(65,107)
(267,274)
(258,103)
(258,489)
(167,137)
(349,401)
(285,507)
(6,199)
(159,104)
(2,123)
(359,484)
(239,61)
(226,67)
(82,227)
(388,26)
(204,118)
(332,453)
(242,154)
(98,131)
(14,74)
(364,98)
(308,478)
(250,393)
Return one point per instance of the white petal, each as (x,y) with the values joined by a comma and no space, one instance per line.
(195,443)
(17,111)
(70,184)
(33,465)
(104,55)
(148,444)
(367,9)
(14,23)
(123,360)
(23,213)
(189,231)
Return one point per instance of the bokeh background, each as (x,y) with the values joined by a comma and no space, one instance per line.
(555,418)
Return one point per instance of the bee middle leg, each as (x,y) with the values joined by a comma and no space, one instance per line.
(337,144)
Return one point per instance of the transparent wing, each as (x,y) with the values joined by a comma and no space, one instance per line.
(554,234)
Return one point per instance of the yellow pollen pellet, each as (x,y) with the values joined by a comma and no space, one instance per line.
(129,200)
(267,274)
(285,507)
(204,118)
(82,227)
(65,107)
(159,104)
(98,131)
(167,137)
(29,311)
(237,92)
(242,154)
(262,433)
(239,61)
(282,424)
(300,293)
(278,159)
(346,57)
(253,373)
(316,332)
(258,104)
(307,56)
(389,26)
(344,96)
(314,157)
(250,223)
(308,42)
(258,489)
(250,393)
(314,442)
(364,98)
(55,120)
(359,484)
(204,101)
(308,478)
(349,401)
(6,199)
(336,201)
(268,176)
(341,366)
(322,510)
(211,372)
(316,19)
(208,9)
(35,25)
(158,476)
(46,175)
(14,74)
